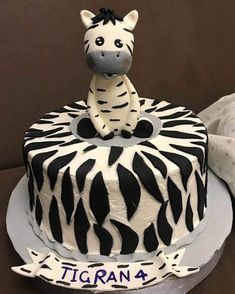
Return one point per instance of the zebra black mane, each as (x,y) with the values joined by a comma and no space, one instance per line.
(106,15)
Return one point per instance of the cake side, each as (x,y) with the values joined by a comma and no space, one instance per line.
(117,200)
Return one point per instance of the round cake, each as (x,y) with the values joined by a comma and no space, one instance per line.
(119,197)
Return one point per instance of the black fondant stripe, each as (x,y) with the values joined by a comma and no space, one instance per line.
(193,151)
(164,228)
(149,110)
(142,102)
(179,122)
(31,190)
(157,163)
(147,177)
(38,211)
(167,274)
(37,166)
(82,172)
(99,202)
(89,148)
(129,48)
(119,84)
(183,163)
(77,106)
(63,283)
(44,122)
(74,141)
(72,115)
(127,30)
(120,105)
(69,263)
(25,270)
(123,266)
(149,281)
(115,153)
(54,220)
(167,107)
(122,94)
(162,266)
(201,196)
(45,266)
(175,197)
(129,237)
(39,133)
(155,102)
(37,145)
(150,238)
(148,144)
(62,124)
(67,195)
(105,239)
(130,189)
(49,116)
(101,102)
(175,115)
(89,286)
(179,135)
(60,135)
(63,109)
(119,286)
(205,145)
(56,165)
(189,215)
(81,227)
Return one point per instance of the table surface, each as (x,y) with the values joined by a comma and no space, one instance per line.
(220,281)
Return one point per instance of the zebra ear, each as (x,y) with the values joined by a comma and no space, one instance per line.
(131,19)
(86,17)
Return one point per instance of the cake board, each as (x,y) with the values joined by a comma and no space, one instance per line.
(204,252)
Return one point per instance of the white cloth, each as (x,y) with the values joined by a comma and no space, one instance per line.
(219,119)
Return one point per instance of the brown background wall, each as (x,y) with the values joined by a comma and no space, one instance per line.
(184,52)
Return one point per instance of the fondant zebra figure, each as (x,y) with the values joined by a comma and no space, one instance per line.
(113,103)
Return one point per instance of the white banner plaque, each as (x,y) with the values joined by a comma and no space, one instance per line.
(106,276)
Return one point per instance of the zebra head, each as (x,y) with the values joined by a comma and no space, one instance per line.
(108,41)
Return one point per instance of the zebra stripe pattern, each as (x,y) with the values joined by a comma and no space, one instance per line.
(141,197)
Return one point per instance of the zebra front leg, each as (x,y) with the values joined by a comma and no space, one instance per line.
(95,116)
(134,113)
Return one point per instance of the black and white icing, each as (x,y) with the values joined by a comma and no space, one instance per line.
(113,103)
(114,200)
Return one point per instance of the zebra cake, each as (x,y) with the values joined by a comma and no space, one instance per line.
(120,177)
(116,198)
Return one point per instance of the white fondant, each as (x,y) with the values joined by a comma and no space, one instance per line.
(86,17)
(131,19)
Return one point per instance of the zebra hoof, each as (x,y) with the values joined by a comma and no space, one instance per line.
(109,136)
(126,134)
(144,129)
(86,129)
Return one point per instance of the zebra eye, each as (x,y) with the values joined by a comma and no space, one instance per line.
(99,41)
(118,43)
